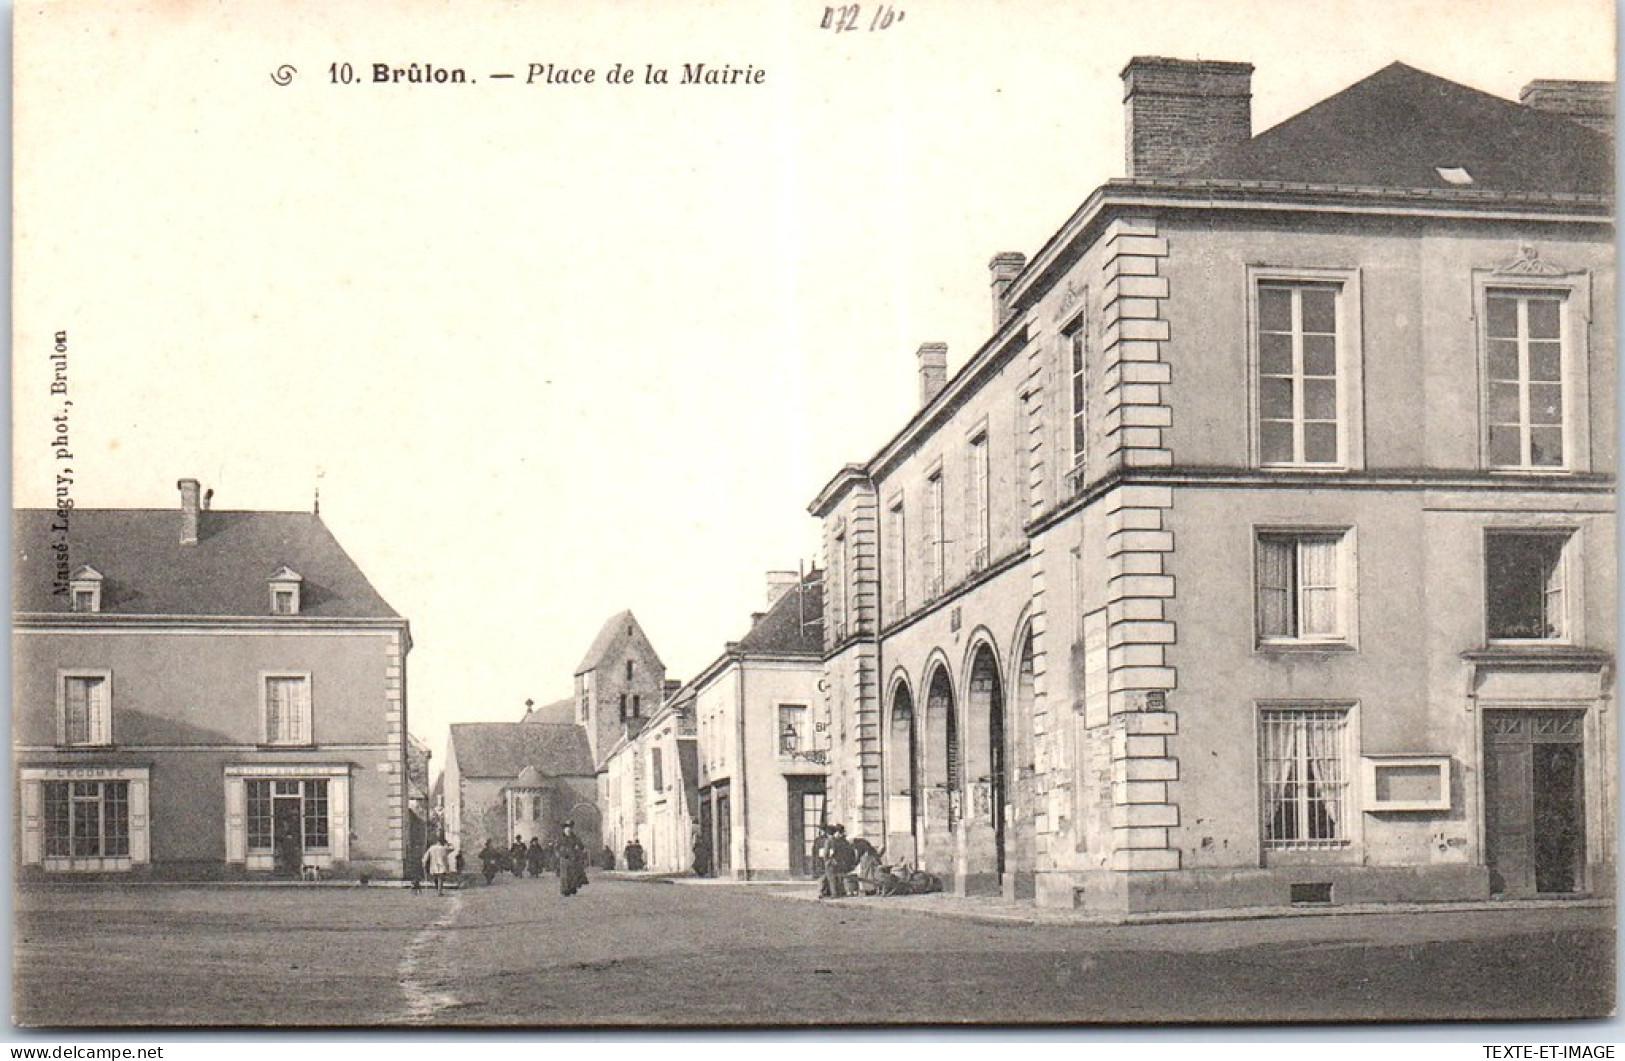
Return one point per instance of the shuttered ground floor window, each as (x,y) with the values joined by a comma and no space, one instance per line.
(84,818)
(299,806)
(282,817)
(1304,778)
(87,819)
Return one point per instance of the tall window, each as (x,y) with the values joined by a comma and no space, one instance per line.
(849,575)
(981,531)
(837,583)
(1076,340)
(1300,389)
(623,707)
(936,536)
(629,670)
(793,729)
(1303,775)
(87,819)
(657,770)
(896,573)
(1525,584)
(85,711)
(1523,331)
(287,709)
(274,806)
(1303,589)
(1023,457)
(637,705)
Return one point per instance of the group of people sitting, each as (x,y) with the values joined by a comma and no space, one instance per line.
(854,867)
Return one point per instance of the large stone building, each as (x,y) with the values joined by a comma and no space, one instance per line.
(764,737)
(1265,550)
(204,693)
(523,779)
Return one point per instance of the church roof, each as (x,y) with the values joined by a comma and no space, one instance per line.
(505,749)
(616,631)
(559,712)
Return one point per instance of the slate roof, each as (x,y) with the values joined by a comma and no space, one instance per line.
(559,712)
(503,749)
(147,571)
(610,635)
(795,623)
(1396,127)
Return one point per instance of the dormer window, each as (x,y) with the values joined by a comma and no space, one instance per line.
(285,591)
(85,589)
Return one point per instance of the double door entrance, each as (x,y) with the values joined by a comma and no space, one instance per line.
(1534,801)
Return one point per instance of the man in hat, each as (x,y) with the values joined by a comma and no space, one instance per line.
(832,886)
(572,860)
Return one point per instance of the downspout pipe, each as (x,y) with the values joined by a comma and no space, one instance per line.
(744,774)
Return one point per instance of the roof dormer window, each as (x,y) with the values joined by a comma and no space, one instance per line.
(284,586)
(85,590)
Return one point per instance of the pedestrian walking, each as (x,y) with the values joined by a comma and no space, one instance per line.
(702,853)
(634,855)
(490,862)
(572,860)
(533,856)
(438,861)
(516,856)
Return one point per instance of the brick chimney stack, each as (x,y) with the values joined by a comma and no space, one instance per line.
(1182,113)
(779,583)
(1004,267)
(189,489)
(933,370)
(1591,103)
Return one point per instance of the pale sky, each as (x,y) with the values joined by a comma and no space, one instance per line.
(562,350)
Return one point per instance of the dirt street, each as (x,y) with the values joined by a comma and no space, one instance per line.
(638,952)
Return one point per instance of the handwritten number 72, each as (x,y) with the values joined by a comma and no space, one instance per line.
(845,17)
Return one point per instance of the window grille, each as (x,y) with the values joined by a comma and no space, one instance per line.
(1303,761)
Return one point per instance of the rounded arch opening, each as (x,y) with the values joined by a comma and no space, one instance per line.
(902,762)
(942,740)
(987,751)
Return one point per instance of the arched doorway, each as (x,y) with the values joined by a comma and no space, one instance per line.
(903,804)
(1023,843)
(941,770)
(986,759)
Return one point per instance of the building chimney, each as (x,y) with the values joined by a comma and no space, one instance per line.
(1591,103)
(1004,267)
(189,510)
(933,370)
(1181,113)
(779,583)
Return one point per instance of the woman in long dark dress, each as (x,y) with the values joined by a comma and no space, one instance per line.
(572,860)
